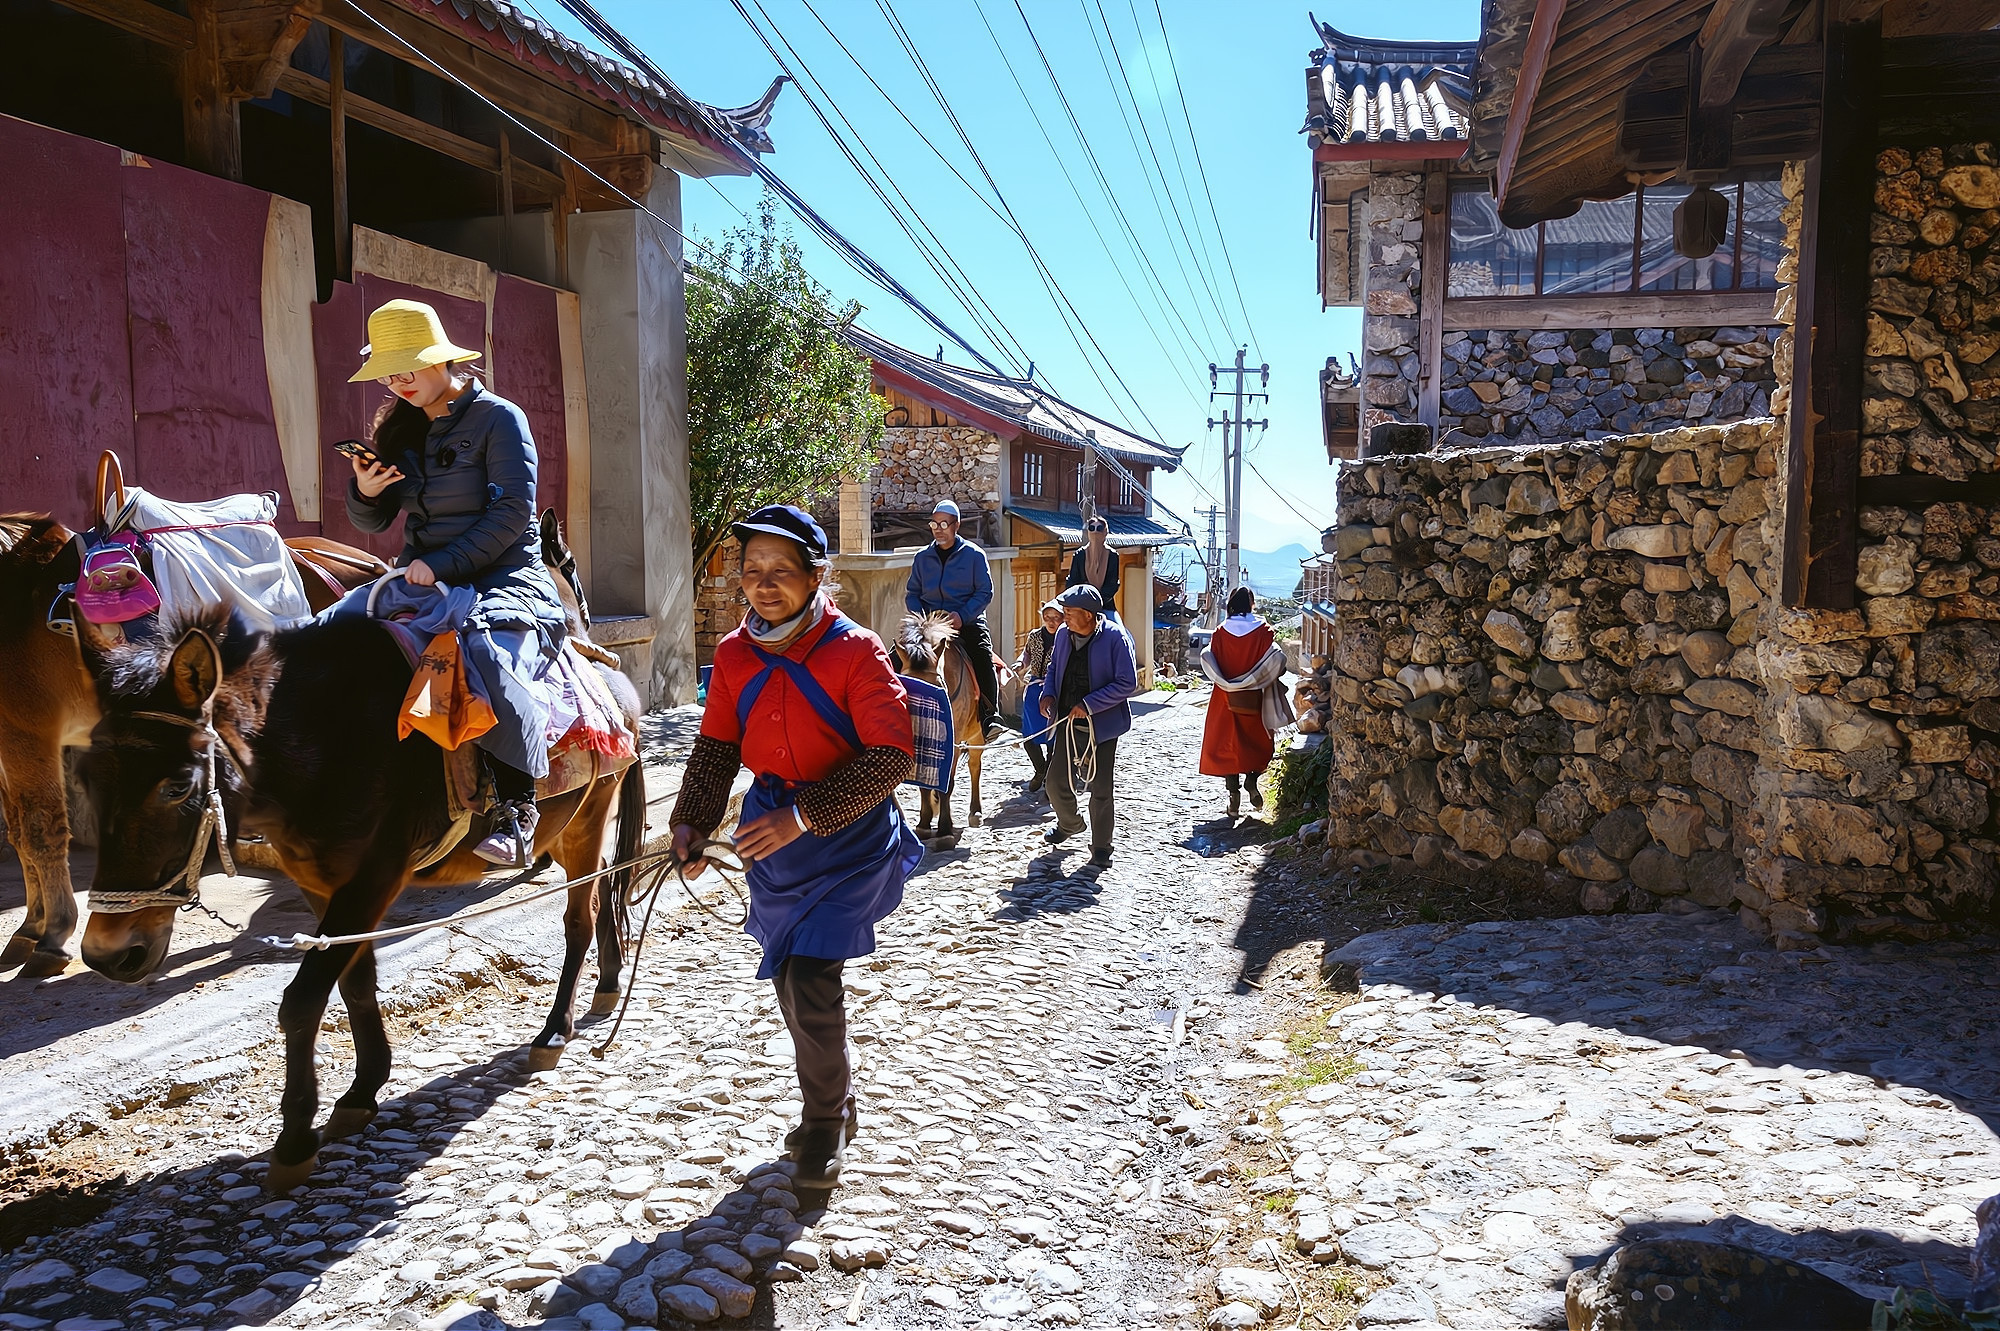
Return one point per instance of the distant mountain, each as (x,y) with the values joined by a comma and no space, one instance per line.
(1274,572)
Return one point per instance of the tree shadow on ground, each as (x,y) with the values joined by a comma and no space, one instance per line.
(206,1243)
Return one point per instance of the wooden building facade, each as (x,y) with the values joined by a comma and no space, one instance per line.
(205,199)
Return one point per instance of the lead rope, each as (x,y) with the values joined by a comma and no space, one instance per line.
(722,854)
(214,823)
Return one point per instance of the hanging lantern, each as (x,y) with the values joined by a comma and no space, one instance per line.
(1701,223)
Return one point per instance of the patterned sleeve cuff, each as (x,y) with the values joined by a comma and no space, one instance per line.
(855,787)
(705,782)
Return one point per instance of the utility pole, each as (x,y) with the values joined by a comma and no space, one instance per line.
(1232,470)
(1211,567)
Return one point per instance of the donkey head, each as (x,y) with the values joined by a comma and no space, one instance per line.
(156,758)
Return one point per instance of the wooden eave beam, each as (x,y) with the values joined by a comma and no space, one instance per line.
(141,18)
(278,57)
(1534,64)
(593,130)
(1735,31)
(1927,18)
(529,178)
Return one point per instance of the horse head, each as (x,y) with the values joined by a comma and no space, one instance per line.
(561,561)
(177,712)
(920,645)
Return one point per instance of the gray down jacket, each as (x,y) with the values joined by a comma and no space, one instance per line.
(468,501)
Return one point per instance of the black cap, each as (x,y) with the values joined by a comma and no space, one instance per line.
(783,520)
(1083,597)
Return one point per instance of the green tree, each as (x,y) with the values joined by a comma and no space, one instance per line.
(779,408)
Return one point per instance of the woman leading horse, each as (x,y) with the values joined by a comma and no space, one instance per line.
(805,698)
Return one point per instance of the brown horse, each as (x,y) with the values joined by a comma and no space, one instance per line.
(297,731)
(49,704)
(926,648)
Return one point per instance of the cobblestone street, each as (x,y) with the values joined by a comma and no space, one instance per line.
(1131,1098)
(1025,1034)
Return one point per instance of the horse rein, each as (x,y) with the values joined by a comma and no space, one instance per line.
(184,888)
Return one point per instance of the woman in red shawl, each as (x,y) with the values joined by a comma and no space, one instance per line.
(1235,744)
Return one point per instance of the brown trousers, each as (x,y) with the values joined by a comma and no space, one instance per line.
(815,1008)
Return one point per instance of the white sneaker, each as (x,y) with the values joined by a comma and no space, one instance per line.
(502,847)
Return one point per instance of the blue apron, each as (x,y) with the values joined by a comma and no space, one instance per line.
(820,896)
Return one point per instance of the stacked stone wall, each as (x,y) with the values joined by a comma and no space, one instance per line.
(1543,667)
(1527,386)
(921,464)
(718,602)
(1391,283)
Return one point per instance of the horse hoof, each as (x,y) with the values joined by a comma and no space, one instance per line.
(17,950)
(543,1057)
(281,1179)
(604,1004)
(42,965)
(343,1123)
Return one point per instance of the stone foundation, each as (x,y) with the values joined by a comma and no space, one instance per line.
(1548,386)
(1566,666)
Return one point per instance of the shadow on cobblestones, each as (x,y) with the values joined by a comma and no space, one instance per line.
(1045,889)
(1836,1107)
(207,1243)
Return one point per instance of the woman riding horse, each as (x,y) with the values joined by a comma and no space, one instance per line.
(458,464)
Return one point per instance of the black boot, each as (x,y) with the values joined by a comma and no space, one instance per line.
(1235,794)
(1040,759)
(820,1147)
(1256,795)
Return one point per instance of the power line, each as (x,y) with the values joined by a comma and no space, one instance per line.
(1190,349)
(1319,522)
(947,269)
(1179,222)
(1049,279)
(1173,143)
(1104,181)
(1201,168)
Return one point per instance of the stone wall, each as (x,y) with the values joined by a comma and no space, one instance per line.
(1527,386)
(718,602)
(921,464)
(1391,281)
(1543,670)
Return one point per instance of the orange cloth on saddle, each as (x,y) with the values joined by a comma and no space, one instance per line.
(1234,742)
(441,702)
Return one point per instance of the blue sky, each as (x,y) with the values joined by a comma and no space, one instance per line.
(1241,70)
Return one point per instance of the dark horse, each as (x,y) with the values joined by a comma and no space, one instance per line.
(298,731)
(48,703)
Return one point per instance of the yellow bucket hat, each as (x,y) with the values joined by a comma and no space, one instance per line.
(405,336)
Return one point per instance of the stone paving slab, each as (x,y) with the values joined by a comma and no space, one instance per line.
(1533,1093)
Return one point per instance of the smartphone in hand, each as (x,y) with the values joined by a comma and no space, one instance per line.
(360,452)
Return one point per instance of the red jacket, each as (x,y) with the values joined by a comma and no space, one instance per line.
(1234,742)
(783,736)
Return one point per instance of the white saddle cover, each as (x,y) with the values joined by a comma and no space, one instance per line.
(226,550)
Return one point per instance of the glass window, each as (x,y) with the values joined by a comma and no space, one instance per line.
(1487,258)
(1589,251)
(1614,245)
(1762,235)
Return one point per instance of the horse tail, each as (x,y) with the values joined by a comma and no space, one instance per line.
(631,840)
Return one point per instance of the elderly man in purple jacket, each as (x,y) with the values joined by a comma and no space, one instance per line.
(1092,674)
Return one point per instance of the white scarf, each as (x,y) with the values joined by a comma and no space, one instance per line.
(776,637)
(1241,625)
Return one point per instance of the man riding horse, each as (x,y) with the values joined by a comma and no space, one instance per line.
(950,577)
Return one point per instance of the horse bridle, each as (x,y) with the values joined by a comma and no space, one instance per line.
(183,889)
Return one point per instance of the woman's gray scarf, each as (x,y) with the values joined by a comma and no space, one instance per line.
(776,637)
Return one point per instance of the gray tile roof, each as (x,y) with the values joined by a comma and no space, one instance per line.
(1360,90)
(527,40)
(1019,403)
(1129,531)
